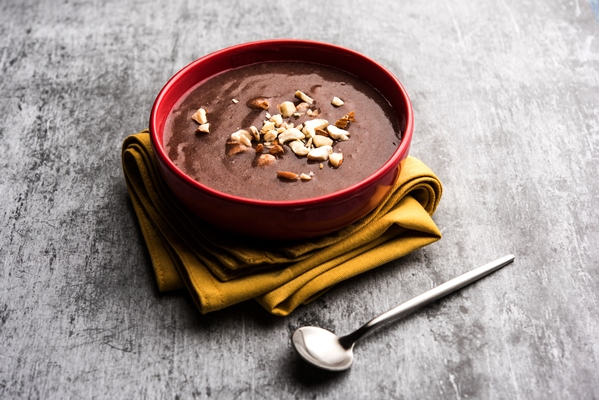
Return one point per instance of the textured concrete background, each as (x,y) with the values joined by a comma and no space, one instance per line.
(506,96)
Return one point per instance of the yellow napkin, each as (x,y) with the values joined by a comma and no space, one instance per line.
(220,269)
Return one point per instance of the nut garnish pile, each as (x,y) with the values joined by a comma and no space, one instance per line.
(314,139)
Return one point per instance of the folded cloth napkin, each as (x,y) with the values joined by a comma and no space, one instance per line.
(220,269)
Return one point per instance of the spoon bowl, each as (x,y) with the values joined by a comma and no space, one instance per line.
(326,350)
(322,348)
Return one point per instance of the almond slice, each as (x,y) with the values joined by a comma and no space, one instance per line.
(290,176)
(258,103)
(342,123)
(322,132)
(277,150)
(305,177)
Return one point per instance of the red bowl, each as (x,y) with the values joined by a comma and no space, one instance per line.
(282,220)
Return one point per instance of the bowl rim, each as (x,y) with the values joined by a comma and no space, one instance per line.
(392,162)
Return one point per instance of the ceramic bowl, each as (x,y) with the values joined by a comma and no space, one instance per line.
(282,220)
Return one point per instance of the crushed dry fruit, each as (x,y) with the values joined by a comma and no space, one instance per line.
(314,139)
(291,176)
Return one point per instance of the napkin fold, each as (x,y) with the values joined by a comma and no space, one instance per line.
(220,269)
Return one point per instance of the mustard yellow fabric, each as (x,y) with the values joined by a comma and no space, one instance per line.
(220,269)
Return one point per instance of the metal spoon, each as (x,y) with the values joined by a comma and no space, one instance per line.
(326,350)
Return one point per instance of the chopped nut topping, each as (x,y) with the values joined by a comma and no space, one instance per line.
(316,123)
(277,119)
(336,159)
(200,116)
(268,126)
(258,103)
(320,141)
(337,102)
(276,150)
(298,148)
(304,97)
(287,175)
(246,133)
(344,122)
(337,133)
(255,133)
(314,138)
(310,126)
(204,128)
(321,132)
(290,134)
(265,159)
(270,135)
(287,108)
(242,136)
(320,153)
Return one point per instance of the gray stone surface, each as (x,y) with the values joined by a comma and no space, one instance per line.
(506,96)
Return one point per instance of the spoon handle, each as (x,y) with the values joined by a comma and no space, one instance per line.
(424,299)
